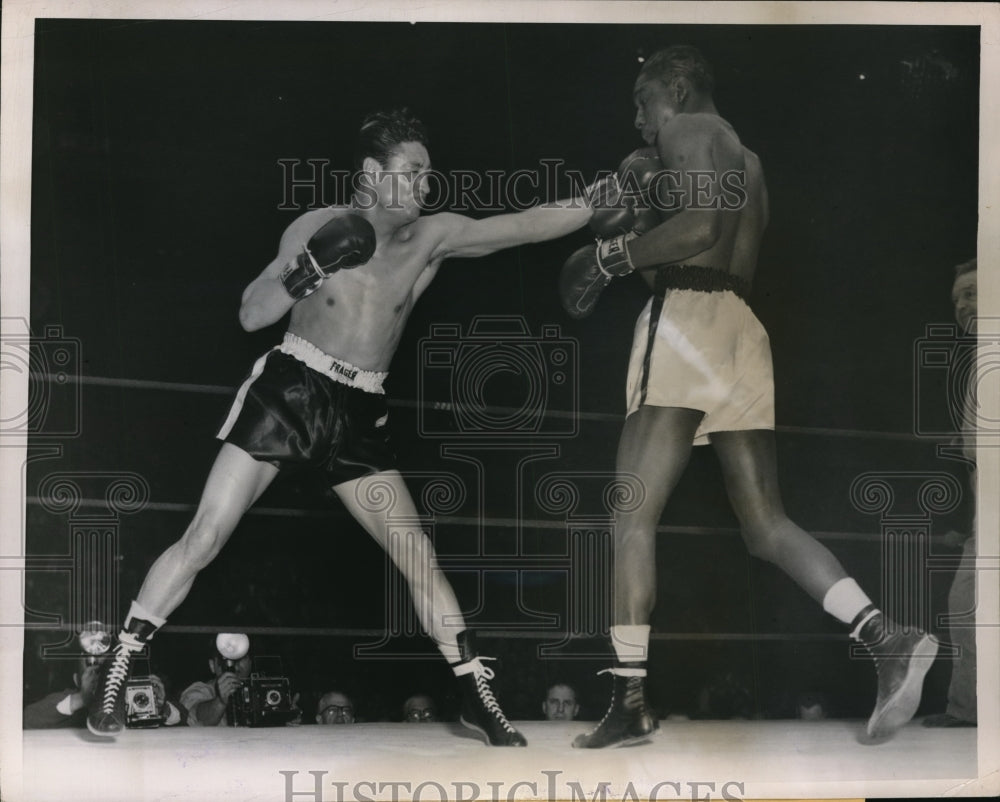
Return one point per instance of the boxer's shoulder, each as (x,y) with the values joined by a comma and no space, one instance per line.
(689,126)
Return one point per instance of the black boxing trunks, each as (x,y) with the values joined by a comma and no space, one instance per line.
(300,406)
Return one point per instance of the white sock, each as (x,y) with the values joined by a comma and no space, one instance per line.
(631,642)
(450,652)
(138,611)
(845,599)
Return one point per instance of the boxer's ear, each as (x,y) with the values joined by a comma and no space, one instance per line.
(680,90)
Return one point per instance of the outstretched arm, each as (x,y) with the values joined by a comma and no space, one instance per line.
(462,236)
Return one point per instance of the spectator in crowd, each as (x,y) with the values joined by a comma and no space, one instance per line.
(335,708)
(961,707)
(560,703)
(419,708)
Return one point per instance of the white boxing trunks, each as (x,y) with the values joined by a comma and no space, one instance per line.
(706,351)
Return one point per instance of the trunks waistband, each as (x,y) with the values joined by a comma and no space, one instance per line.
(701,279)
(344,372)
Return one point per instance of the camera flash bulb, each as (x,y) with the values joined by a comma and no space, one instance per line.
(95,638)
(232,645)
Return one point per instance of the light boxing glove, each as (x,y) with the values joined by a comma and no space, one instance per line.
(344,242)
(589,270)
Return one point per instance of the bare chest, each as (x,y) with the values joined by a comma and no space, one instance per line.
(360,313)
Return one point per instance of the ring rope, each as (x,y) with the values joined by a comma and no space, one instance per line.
(448,406)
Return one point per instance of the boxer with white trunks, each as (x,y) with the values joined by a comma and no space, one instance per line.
(703,349)
(349,277)
(700,372)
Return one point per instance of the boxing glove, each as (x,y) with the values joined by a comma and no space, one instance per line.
(636,173)
(613,214)
(344,242)
(589,270)
(623,204)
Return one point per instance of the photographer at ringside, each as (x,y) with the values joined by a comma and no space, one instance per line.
(210,703)
(206,702)
(68,707)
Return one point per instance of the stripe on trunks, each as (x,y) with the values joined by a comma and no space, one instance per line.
(659,293)
(241,394)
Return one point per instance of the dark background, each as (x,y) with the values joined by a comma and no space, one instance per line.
(155,200)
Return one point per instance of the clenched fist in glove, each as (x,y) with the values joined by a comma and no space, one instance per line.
(589,270)
(623,210)
(344,242)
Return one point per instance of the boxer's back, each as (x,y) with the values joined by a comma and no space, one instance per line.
(753,218)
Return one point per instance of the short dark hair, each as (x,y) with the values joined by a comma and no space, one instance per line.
(384,131)
(559,683)
(681,61)
(967,267)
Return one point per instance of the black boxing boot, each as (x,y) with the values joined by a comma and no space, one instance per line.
(480,710)
(628,720)
(106,716)
(902,658)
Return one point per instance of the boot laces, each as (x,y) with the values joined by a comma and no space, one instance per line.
(483,675)
(634,694)
(891,648)
(611,706)
(117,672)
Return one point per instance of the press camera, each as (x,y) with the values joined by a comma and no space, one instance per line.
(263,699)
(141,710)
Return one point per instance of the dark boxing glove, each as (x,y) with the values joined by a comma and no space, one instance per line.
(637,171)
(589,270)
(623,203)
(345,241)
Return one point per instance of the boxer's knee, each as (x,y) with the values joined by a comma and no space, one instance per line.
(635,530)
(202,541)
(763,537)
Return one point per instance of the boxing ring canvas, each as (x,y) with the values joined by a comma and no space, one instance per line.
(153,153)
(385,761)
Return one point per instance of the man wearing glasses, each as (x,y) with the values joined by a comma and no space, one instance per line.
(419,709)
(335,708)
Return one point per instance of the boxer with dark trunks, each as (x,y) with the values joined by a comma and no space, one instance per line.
(700,372)
(350,277)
